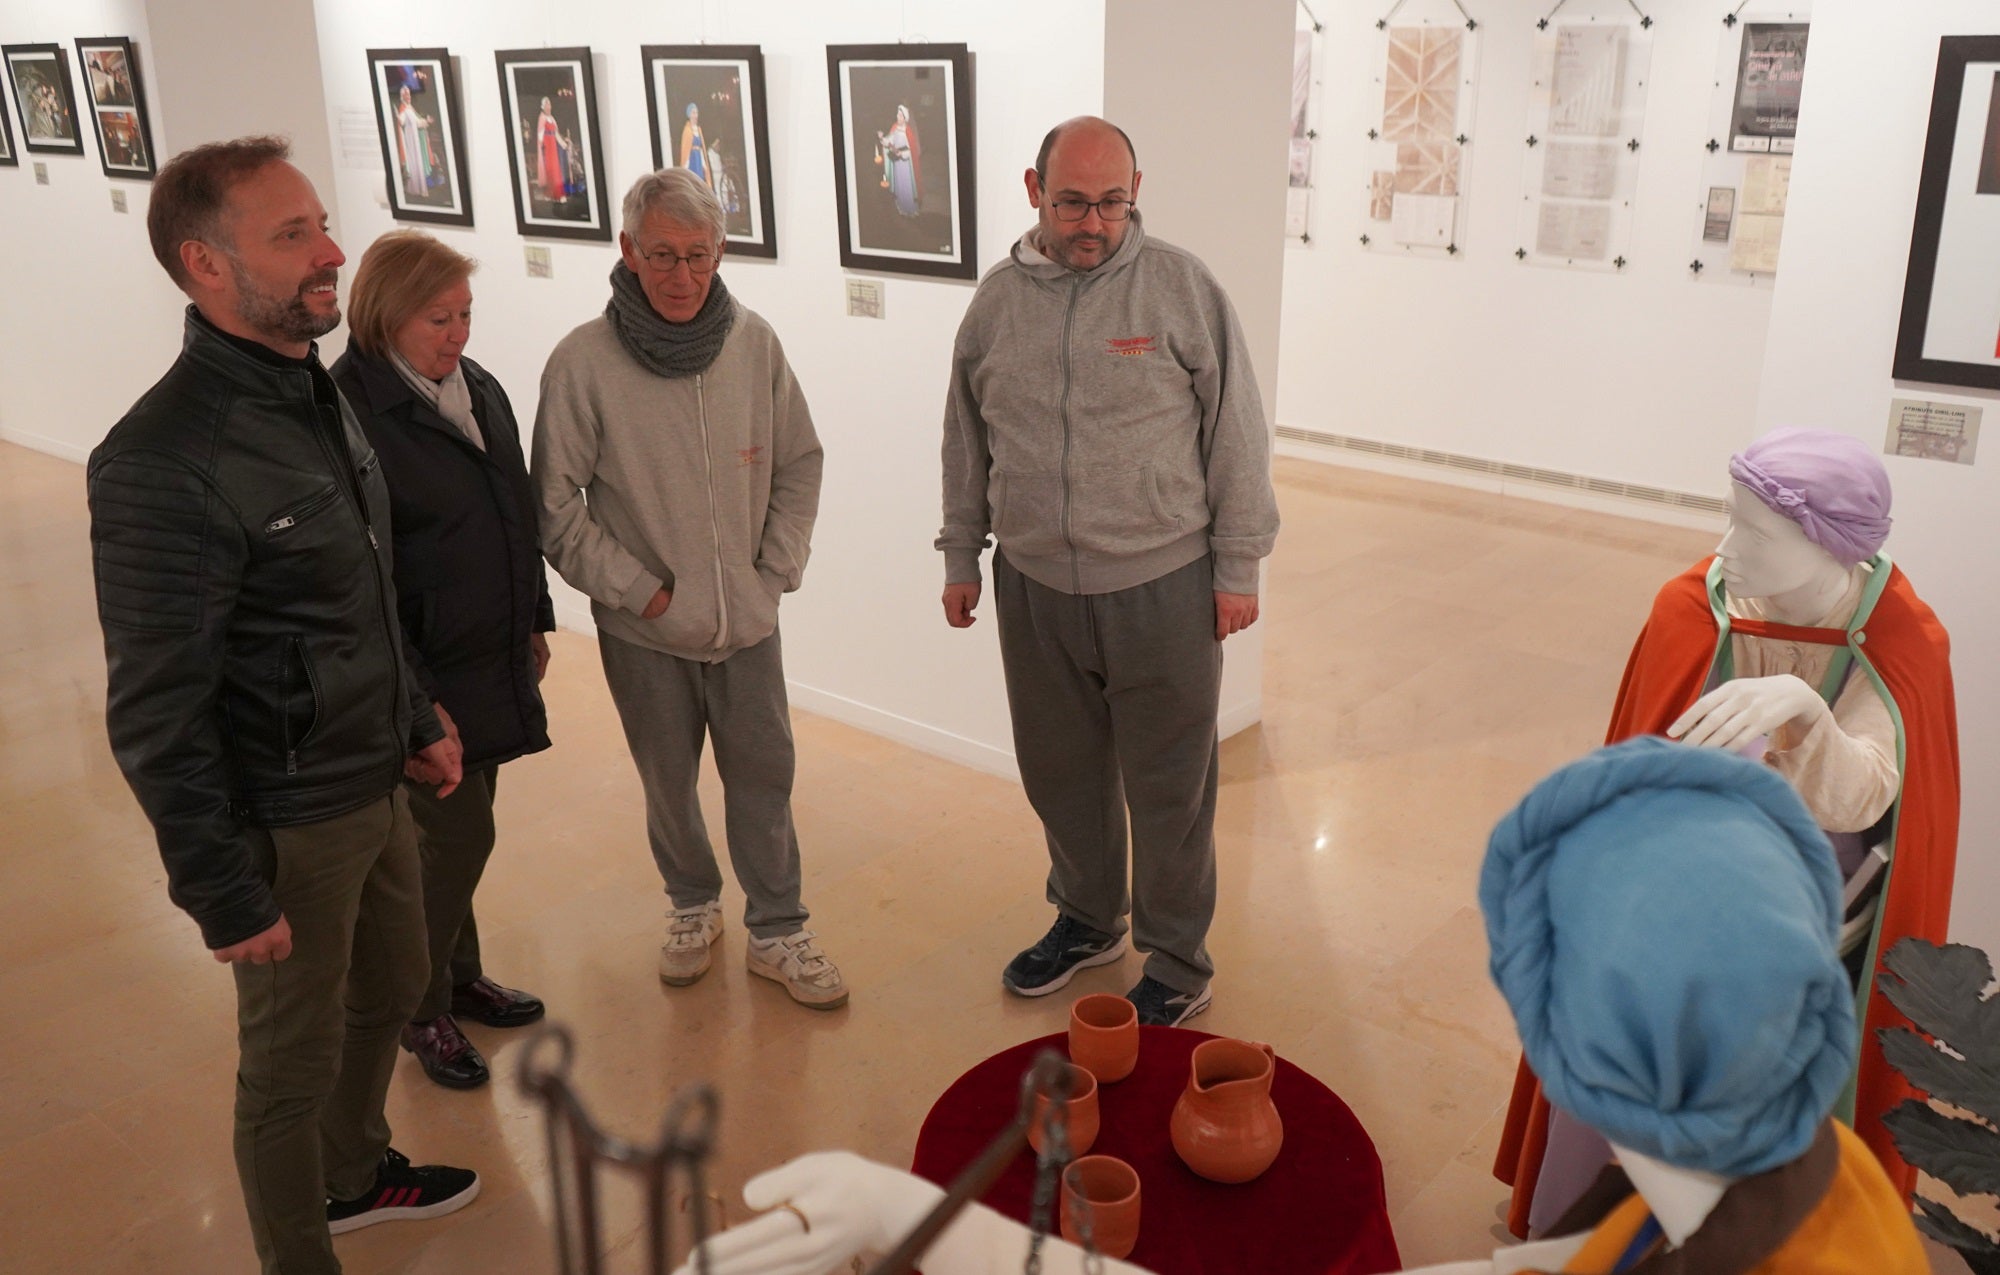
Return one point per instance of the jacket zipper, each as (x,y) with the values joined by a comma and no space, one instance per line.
(343,465)
(1069,316)
(714,518)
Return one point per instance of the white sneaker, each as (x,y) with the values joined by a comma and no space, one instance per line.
(684,957)
(793,960)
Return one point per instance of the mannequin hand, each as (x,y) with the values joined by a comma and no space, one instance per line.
(854,1205)
(1737,712)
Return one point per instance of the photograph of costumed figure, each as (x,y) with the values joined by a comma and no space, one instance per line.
(706,104)
(46,96)
(422,130)
(903,155)
(549,96)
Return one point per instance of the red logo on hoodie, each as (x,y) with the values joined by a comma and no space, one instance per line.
(1130,345)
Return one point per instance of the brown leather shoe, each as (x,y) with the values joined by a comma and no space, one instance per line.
(447,1056)
(486,1002)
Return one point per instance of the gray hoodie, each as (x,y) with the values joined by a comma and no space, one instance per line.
(707,484)
(1104,426)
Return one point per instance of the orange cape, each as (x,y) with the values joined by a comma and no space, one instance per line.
(1899,645)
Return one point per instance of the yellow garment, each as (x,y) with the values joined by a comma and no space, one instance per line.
(1860,1227)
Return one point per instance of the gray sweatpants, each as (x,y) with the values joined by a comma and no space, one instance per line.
(1114,697)
(669,705)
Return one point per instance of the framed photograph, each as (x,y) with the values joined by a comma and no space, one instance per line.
(903,157)
(47,98)
(118,106)
(549,97)
(9,157)
(706,103)
(1950,330)
(1770,75)
(421,124)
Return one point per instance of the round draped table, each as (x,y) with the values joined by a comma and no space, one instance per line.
(1318,1210)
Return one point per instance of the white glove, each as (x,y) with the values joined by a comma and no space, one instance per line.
(845,1205)
(1736,713)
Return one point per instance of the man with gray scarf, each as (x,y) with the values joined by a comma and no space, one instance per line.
(678,474)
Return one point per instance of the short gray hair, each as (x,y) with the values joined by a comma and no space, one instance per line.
(680,197)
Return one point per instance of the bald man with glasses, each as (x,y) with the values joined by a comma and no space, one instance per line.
(1104,429)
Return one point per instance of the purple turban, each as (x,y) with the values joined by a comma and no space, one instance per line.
(1831,484)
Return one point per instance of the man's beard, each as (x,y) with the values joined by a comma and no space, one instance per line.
(1066,251)
(288,319)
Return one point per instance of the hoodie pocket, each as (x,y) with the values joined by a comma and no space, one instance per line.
(692,620)
(1121,511)
(1027,511)
(753,607)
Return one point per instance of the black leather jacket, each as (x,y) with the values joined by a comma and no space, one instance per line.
(240,542)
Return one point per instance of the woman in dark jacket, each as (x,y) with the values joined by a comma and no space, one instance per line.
(471,595)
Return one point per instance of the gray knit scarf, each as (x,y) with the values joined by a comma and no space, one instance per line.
(674,350)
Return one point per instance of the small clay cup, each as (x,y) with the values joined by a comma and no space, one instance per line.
(1080,1112)
(1104,1036)
(1111,1189)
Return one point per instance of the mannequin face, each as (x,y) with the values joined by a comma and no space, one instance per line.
(1764,554)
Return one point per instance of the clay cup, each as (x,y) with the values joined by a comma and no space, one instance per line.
(1111,1189)
(1080,1113)
(1104,1036)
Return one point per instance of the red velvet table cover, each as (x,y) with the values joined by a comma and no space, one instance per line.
(1319,1210)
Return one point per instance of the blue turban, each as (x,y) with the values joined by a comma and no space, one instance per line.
(692,108)
(1663,921)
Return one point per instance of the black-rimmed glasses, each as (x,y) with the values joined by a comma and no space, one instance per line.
(665,260)
(1071,209)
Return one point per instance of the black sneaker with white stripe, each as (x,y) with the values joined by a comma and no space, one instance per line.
(1069,946)
(1162,1006)
(404,1192)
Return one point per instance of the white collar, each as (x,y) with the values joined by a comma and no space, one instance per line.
(1681,1199)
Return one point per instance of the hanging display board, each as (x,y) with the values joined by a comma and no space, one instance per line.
(1586,111)
(1305,101)
(1739,212)
(1420,134)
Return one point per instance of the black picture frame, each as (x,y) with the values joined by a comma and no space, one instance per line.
(50,124)
(10,155)
(889,215)
(110,69)
(727,82)
(1938,340)
(423,150)
(564,79)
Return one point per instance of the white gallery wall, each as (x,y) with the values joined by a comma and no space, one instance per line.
(1645,376)
(89,321)
(1833,334)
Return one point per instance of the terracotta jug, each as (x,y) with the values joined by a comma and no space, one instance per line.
(1225,1126)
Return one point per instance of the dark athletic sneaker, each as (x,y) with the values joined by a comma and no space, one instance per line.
(1069,946)
(404,1192)
(1162,1006)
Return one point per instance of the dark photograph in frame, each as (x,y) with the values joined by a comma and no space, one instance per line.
(1770,77)
(420,121)
(47,98)
(903,158)
(555,149)
(117,106)
(9,157)
(705,103)
(1950,328)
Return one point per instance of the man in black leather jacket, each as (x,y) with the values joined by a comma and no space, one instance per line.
(258,702)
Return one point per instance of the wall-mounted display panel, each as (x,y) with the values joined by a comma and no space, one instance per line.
(1586,112)
(1739,209)
(420,120)
(1421,100)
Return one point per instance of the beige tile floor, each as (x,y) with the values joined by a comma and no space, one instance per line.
(1431,653)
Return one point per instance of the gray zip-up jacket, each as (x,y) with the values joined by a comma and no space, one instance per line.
(707,484)
(1104,426)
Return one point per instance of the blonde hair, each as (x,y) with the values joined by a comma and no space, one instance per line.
(399,273)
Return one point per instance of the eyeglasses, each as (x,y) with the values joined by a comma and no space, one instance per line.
(1078,209)
(664,261)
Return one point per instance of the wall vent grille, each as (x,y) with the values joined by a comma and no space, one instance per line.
(1504,469)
